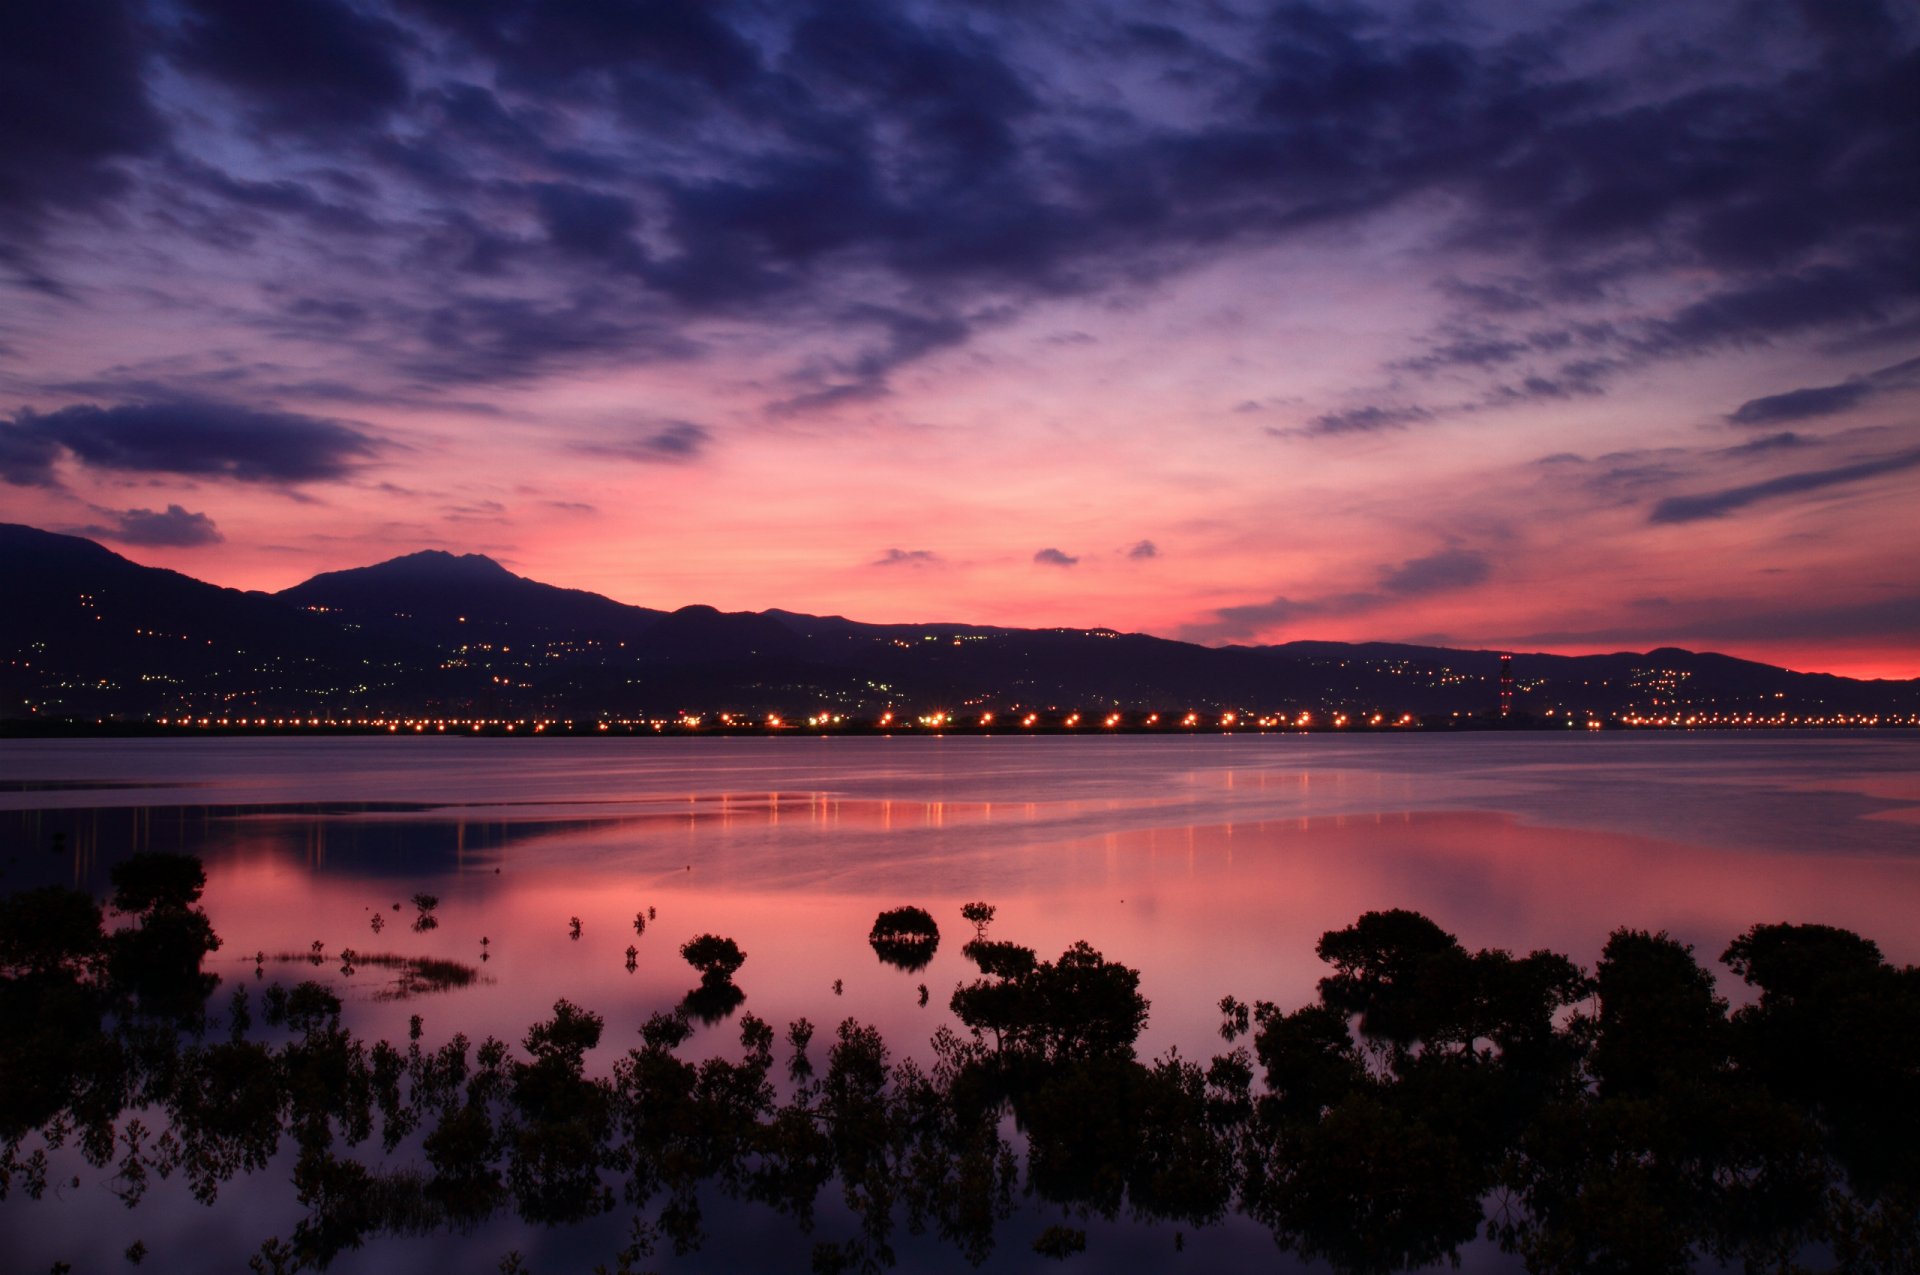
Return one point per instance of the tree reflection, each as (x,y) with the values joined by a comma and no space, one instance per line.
(1622,1120)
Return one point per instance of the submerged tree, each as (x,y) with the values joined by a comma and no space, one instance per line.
(1079,1006)
(1621,1122)
(905,937)
(717,959)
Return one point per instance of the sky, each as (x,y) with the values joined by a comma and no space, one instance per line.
(1561,326)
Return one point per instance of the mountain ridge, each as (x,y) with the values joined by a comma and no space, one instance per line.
(94,634)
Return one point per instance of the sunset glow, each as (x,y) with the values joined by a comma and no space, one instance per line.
(1570,328)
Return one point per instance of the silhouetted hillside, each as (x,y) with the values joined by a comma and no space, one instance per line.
(86,633)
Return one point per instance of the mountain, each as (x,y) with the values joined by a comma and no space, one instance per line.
(87,634)
(447,600)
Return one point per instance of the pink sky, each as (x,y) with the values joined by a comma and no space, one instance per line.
(1536,396)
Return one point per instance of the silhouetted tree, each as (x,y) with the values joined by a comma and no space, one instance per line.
(50,931)
(557,1143)
(979,915)
(717,959)
(906,937)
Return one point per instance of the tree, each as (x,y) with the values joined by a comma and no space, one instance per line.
(49,930)
(1080,1006)
(1000,959)
(1407,979)
(906,937)
(148,882)
(717,959)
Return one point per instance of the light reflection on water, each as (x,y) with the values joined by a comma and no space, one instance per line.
(1212,864)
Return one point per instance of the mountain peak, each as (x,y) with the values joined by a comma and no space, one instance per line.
(440,563)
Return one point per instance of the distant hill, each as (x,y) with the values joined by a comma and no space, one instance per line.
(86,633)
(448,600)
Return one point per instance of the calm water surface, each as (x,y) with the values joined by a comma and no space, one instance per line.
(1212,864)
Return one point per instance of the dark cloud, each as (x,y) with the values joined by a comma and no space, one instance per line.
(906,558)
(1782,305)
(1477,350)
(672,442)
(73,94)
(551,45)
(1741,620)
(1824,400)
(1800,405)
(193,438)
(302,66)
(1143,549)
(1365,420)
(481,339)
(174,528)
(281,197)
(1441,572)
(1785,440)
(1677,509)
(1535,389)
(1505,296)
(1248,620)
(905,336)
(588,223)
(573,181)
(955,93)
(1055,558)
(1446,571)
(27,456)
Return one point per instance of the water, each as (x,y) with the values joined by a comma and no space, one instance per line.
(1212,864)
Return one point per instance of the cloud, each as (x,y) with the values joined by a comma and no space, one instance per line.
(495,339)
(27,457)
(301,65)
(1785,440)
(1800,405)
(1824,400)
(514,188)
(1475,349)
(71,81)
(906,336)
(1681,509)
(556,46)
(1366,420)
(1249,619)
(174,529)
(906,558)
(1442,572)
(673,442)
(1446,571)
(1055,558)
(1143,549)
(588,223)
(195,438)
(1741,620)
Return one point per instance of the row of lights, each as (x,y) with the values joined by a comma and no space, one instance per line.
(944,721)
(938,721)
(1775,720)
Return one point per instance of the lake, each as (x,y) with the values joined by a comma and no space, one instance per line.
(1211,864)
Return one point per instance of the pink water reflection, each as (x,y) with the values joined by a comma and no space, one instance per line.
(1202,910)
